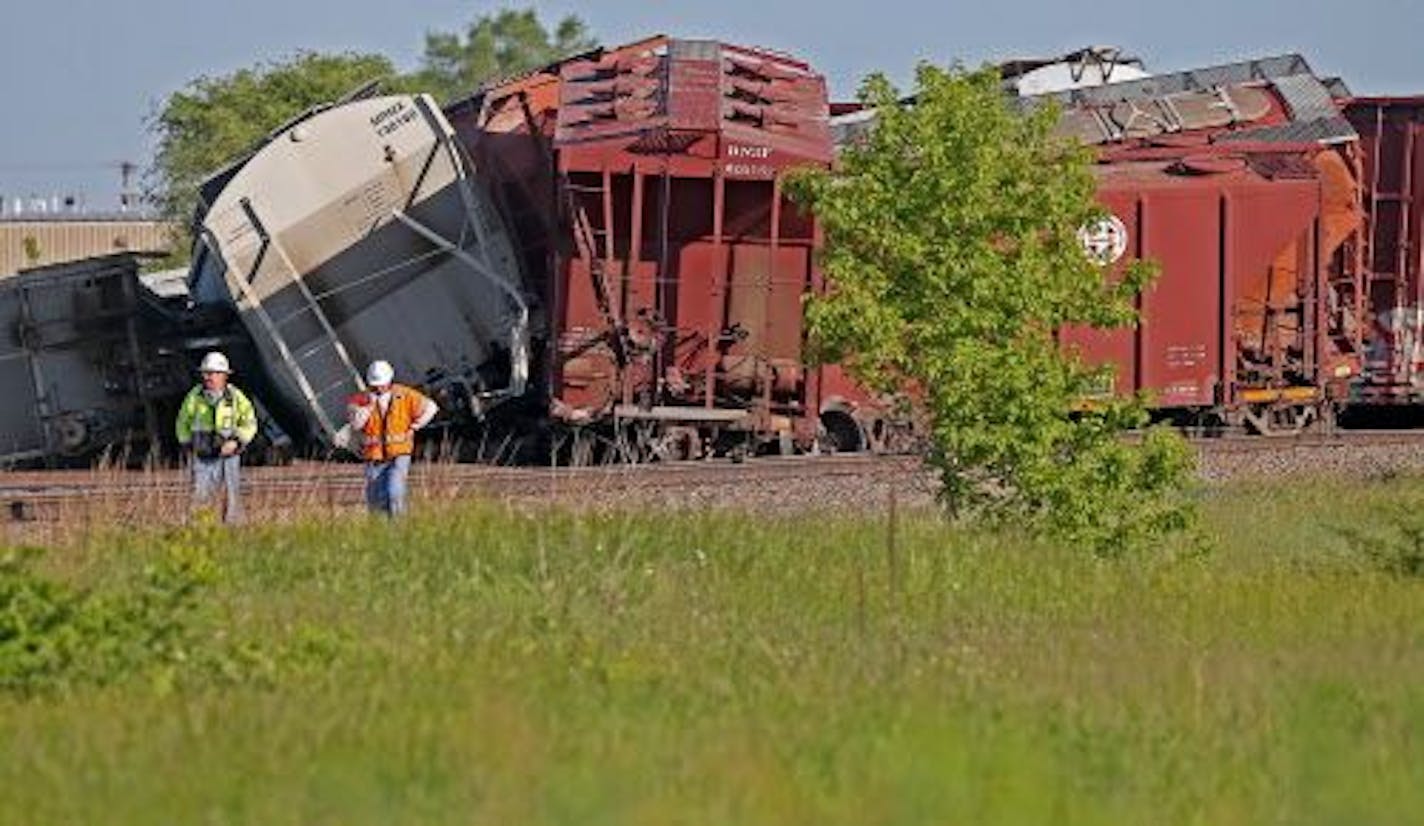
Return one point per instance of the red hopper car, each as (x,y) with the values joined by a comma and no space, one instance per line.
(1242,183)
(645,183)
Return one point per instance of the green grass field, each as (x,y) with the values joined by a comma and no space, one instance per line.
(480,665)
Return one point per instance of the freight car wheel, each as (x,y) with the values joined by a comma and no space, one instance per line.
(841,433)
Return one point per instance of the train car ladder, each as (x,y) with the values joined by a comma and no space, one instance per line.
(587,239)
(328,341)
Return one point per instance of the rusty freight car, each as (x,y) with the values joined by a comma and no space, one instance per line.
(1234,328)
(1242,182)
(644,183)
(1392,148)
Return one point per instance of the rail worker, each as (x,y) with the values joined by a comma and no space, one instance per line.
(387,416)
(215,423)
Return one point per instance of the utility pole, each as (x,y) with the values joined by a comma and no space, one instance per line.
(128,198)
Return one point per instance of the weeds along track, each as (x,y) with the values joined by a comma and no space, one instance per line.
(300,476)
(88,499)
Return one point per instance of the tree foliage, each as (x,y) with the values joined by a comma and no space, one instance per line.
(494,46)
(951,242)
(215,120)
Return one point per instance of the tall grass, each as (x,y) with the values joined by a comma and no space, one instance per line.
(488,664)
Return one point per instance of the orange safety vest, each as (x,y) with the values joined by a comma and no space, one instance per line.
(390,434)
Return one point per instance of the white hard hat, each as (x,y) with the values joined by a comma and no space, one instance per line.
(380,372)
(214,362)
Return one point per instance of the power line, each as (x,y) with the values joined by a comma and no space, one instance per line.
(54,166)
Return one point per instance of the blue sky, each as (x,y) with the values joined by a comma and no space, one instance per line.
(79,77)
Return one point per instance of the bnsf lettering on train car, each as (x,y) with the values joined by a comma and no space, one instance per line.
(753,153)
(742,161)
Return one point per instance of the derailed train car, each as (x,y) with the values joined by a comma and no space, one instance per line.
(354,233)
(644,184)
(601,248)
(648,296)
(93,363)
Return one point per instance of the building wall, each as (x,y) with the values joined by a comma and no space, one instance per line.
(58,241)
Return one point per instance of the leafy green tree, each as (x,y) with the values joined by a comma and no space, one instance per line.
(214,120)
(495,46)
(951,242)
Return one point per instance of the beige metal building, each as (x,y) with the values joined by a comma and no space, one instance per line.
(33,241)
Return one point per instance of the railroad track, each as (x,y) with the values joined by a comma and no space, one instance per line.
(50,495)
(310,476)
(135,496)
(1242,443)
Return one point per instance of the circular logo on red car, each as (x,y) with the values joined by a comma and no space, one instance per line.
(1104,240)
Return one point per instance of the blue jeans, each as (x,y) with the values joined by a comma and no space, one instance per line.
(220,475)
(385,485)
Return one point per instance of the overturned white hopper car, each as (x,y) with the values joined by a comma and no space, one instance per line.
(356,233)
